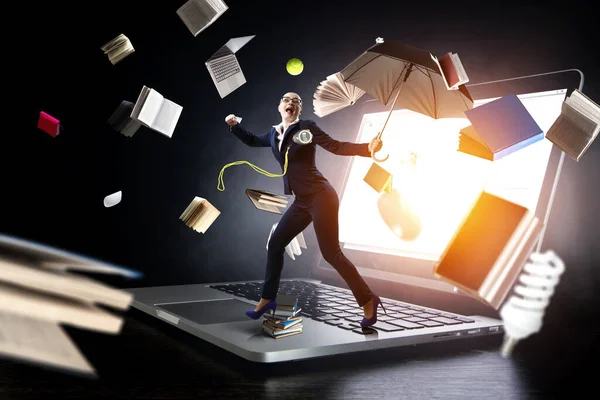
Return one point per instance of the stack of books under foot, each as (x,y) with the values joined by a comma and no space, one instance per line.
(286,320)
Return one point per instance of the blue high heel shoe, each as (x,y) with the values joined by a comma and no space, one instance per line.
(373,320)
(272,305)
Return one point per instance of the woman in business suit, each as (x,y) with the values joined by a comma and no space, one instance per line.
(316,201)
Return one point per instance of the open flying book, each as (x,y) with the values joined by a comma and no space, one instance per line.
(490,247)
(333,94)
(267,201)
(198,15)
(49,124)
(38,293)
(577,126)
(118,48)
(452,70)
(154,111)
(294,247)
(199,214)
(498,129)
(121,120)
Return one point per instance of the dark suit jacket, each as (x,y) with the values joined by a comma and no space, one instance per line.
(302,177)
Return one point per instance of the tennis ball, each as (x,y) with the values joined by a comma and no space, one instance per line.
(294,66)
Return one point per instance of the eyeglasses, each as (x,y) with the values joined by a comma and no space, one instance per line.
(287,100)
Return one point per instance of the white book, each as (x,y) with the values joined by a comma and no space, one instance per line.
(63,284)
(155,112)
(577,126)
(197,15)
(38,305)
(41,342)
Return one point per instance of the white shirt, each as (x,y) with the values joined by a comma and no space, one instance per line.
(279,129)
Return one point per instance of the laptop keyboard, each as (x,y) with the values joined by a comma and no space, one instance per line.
(224,68)
(337,307)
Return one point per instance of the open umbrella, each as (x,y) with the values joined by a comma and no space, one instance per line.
(389,68)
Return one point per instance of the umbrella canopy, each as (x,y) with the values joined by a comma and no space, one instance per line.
(388,67)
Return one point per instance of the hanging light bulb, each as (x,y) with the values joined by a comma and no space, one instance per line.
(523,312)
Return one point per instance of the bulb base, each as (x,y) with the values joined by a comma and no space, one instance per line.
(507,346)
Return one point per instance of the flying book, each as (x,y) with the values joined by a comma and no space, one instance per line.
(267,201)
(198,15)
(379,179)
(199,214)
(452,70)
(40,342)
(154,111)
(54,259)
(577,126)
(118,48)
(38,294)
(121,120)
(333,94)
(488,250)
(498,129)
(49,124)
(294,248)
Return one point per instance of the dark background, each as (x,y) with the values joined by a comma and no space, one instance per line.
(53,188)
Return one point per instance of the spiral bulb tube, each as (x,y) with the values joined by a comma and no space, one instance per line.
(523,312)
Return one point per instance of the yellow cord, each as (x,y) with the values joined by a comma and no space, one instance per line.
(221,183)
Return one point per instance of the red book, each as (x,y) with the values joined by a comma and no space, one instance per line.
(49,124)
(452,70)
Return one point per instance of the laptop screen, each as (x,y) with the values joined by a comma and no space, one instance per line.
(434,186)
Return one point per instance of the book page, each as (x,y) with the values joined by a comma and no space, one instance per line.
(584,105)
(167,118)
(460,70)
(584,123)
(29,303)
(40,342)
(150,108)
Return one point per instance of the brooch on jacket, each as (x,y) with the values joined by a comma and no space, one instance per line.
(303,137)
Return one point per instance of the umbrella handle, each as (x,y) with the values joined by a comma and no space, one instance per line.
(373,153)
(378,159)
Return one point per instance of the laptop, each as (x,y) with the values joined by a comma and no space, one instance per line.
(420,308)
(224,68)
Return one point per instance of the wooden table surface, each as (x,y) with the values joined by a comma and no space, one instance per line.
(152,360)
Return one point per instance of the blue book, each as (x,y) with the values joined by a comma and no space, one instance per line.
(499,128)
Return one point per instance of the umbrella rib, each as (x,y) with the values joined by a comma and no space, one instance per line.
(364,65)
(435,111)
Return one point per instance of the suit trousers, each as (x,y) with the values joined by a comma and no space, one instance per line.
(321,208)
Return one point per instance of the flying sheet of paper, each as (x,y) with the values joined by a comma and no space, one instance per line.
(113,199)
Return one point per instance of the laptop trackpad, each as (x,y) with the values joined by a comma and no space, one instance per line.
(210,312)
